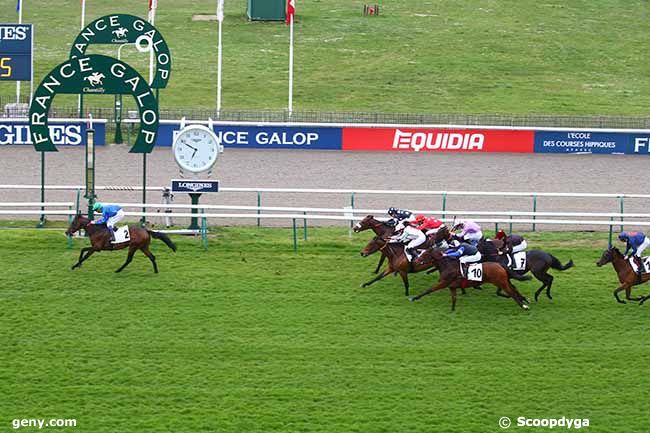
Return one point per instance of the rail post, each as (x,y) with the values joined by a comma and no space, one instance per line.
(534,209)
(444,204)
(295,237)
(352,206)
(259,203)
(69,222)
(510,228)
(78,200)
(304,222)
(41,222)
(611,229)
(621,207)
(204,230)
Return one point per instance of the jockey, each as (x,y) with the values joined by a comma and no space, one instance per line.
(429,226)
(637,242)
(471,232)
(465,253)
(399,215)
(413,236)
(511,243)
(111,215)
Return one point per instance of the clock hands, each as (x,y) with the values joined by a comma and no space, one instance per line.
(193,148)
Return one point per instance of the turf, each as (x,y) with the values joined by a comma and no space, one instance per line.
(428,56)
(250,336)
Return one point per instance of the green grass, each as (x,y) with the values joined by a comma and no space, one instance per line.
(252,337)
(431,56)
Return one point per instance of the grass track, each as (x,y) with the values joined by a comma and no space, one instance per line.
(251,337)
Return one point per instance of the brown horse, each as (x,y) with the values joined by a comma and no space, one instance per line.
(100,240)
(626,275)
(397,261)
(380,228)
(450,277)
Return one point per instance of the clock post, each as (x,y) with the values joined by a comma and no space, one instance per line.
(194,221)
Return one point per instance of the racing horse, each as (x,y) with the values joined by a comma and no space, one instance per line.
(538,262)
(450,277)
(380,228)
(397,260)
(626,274)
(100,240)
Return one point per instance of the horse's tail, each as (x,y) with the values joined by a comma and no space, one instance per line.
(556,264)
(517,276)
(163,237)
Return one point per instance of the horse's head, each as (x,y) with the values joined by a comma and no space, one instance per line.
(428,257)
(77,223)
(442,234)
(373,246)
(364,224)
(608,256)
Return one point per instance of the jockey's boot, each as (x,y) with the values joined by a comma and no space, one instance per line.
(639,267)
(463,270)
(111,230)
(413,253)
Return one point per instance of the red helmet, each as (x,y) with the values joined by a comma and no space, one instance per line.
(500,235)
(420,218)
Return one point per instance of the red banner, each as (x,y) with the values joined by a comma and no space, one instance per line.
(438,140)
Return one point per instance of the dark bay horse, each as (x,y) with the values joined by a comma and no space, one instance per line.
(100,240)
(538,262)
(626,275)
(397,261)
(380,228)
(450,277)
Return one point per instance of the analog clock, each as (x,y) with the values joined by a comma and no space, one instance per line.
(196,148)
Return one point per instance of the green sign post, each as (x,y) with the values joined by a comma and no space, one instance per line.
(94,74)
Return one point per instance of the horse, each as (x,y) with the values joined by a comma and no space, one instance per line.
(397,261)
(139,239)
(380,228)
(450,277)
(626,274)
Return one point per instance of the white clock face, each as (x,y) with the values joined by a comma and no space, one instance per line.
(196,149)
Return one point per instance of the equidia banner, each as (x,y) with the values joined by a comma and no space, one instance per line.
(437,140)
(264,137)
(62,133)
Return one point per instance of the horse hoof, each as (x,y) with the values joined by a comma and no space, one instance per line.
(525,307)
(413,298)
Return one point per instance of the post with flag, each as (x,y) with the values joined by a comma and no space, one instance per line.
(291,11)
(220,19)
(19,9)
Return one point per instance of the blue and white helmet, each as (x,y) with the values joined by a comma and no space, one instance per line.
(392,211)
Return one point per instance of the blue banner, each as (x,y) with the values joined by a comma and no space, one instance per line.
(264,137)
(63,134)
(15,52)
(581,142)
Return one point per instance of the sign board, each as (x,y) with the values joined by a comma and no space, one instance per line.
(126,29)
(16,48)
(15,132)
(94,74)
(195,186)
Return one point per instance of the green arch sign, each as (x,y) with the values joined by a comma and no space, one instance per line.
(126,29)
(94,74)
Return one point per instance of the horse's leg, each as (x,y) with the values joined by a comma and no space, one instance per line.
(500,293)
(129,257)
(387,271)
(453,298)
(645,298)
(435,288)
(628,292)
(147,253)
(405,279)
(513,292)
(619,300)
(381,262)
(83,258)
(545,278)
(548,287)
(463,291)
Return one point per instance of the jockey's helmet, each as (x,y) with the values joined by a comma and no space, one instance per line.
(623,236)
(500,235)
(392,211)
(97,206)
(419,218)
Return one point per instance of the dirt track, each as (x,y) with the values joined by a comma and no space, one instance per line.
(358,170)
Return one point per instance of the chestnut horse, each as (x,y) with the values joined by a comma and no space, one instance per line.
(100,240)
(626,275)
(380,228)
(397,261)
(450,277)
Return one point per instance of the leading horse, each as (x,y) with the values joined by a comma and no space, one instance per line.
(100,240)
(626,274)
(380,228)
